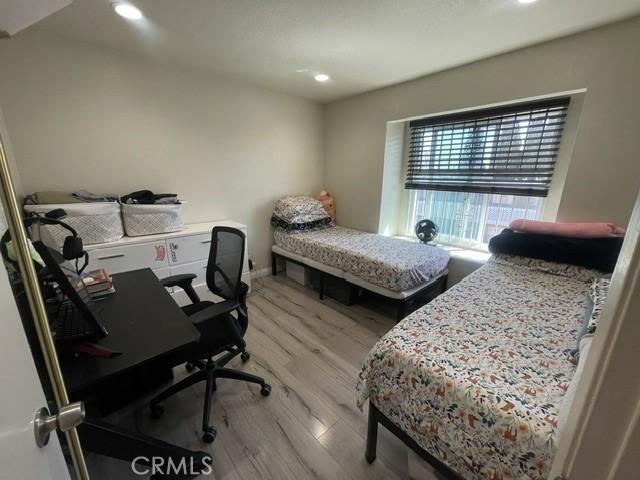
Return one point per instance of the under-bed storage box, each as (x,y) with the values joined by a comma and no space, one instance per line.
(95,222)
(142,219)
(336,288)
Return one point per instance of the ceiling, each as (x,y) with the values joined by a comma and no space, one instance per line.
(361,44)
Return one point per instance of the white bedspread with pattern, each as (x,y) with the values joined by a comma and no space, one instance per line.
(476,376)
(385,261)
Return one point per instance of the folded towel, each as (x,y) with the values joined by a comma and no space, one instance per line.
(85,196)
(166,200)
(575,230)
(49,197)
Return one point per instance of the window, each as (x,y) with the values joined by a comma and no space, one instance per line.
(475,172)
(469,219)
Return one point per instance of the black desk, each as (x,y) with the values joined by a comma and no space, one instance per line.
(151,331)
(144,324)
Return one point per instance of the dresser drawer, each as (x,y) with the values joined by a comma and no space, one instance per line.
(189,249)
(198,268)
(163,272)
(129,257)
(194,248)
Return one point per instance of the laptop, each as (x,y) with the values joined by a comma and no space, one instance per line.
(74,318)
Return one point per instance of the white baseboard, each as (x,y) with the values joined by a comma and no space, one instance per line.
(263,272)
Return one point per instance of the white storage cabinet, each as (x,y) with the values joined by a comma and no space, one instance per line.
(166,254)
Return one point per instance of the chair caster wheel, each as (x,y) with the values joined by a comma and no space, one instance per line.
(265,390)
(189,367)
(244,356)
(156,412)
(209,435)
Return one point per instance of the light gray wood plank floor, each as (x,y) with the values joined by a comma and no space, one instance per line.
(310,351)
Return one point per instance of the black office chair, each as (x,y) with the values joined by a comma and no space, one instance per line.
(220,331)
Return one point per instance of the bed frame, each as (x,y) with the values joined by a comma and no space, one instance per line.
(402,306)
(377,417)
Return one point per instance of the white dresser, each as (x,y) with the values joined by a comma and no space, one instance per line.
(166,254)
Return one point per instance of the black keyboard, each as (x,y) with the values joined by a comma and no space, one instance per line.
(70,325)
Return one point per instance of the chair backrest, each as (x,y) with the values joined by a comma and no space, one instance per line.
(226,258)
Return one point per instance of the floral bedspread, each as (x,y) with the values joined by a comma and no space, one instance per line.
(476,376)
(388,262)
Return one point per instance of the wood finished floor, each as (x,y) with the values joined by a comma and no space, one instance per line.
(310,351)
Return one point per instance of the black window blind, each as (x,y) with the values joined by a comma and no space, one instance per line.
(508,150)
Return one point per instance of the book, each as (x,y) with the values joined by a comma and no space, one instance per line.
(97,281)
(102,294)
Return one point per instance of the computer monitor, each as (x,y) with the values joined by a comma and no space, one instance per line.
(74,289)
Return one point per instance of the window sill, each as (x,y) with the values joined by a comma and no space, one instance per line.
(468,255)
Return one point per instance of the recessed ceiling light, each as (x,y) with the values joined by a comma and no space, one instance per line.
(527,1)
(321,77)
(128,11)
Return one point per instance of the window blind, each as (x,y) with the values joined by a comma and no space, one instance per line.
(508,150)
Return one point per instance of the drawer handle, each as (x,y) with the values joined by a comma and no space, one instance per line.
(205,241)
(107,257)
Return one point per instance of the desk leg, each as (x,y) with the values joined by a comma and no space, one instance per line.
(106,439)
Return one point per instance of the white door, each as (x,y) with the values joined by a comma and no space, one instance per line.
(21,397)
(21,394)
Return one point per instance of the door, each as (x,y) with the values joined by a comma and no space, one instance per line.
(22,394)
(21,397)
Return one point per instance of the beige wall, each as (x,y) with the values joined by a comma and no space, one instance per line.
(80,116)
(603,176)
(85,117)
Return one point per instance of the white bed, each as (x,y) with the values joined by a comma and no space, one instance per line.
(390,267)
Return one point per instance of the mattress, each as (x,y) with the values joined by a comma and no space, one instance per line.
(387,262)
(476,377)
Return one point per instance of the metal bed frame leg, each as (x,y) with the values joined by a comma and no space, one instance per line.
(376,417)
(274,264)
(372,434)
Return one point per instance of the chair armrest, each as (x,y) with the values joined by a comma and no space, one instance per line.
(213,312)
(184,282)
(218,312)
(178,280)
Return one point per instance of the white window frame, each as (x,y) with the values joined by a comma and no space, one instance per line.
(476,242)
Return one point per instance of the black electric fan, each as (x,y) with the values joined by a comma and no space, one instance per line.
(426,231)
